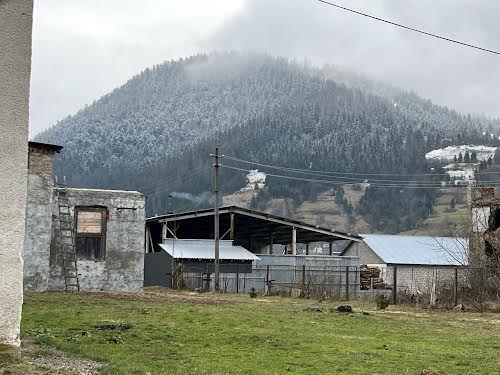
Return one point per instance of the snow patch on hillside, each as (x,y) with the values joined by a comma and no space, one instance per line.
(448,153)
(255,180)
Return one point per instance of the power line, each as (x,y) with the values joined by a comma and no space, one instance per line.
(364,176)
(410,185)
(409,28)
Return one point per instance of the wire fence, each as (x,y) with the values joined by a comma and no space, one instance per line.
(446,287)
(332,282)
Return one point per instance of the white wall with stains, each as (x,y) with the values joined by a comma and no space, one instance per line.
(15,67)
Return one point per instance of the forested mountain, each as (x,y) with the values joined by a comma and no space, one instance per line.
(155,133)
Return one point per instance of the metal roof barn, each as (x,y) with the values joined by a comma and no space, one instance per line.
(417,250)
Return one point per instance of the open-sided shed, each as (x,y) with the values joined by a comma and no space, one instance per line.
(251,229)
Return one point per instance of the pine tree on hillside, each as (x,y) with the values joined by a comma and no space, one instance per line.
(473,157)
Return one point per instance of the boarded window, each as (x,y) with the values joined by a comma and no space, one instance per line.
(90,233)
(89,222)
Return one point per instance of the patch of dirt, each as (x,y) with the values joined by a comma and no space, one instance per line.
(170,296)
(58,361)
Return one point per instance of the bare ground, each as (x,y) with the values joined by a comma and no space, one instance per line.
(35,360)
(171,296)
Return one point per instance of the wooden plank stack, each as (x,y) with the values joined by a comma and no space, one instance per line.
(367,274)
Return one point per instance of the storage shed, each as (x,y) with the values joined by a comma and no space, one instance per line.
(193,262)
(419,261)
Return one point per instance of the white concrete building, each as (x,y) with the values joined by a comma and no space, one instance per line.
(15,67)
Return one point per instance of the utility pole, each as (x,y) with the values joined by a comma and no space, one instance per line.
(216,218)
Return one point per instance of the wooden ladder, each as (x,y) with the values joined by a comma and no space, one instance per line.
(68,245)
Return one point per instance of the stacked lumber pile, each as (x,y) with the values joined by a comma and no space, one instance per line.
(367,274)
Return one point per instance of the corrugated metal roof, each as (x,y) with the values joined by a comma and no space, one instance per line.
(425,250)
(204,249)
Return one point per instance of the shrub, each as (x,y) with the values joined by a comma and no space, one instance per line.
(382,301)
(252,293)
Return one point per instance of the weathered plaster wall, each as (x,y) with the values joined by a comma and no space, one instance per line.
(38,221)
(15,67)
(123,266)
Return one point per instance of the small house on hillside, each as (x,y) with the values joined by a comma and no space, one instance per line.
(417,261)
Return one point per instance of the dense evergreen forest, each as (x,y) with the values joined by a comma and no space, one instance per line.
(155,133)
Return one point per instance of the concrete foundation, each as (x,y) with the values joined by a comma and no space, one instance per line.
(15,67)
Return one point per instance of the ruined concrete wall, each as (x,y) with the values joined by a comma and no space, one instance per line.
(15,67)
(122,269)
(38,220)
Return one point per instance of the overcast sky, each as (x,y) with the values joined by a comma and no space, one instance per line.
(84,49)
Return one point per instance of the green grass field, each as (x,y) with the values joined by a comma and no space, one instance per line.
(165,332)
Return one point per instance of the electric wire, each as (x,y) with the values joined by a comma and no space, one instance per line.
(409,28)
(364,176)
(335,182)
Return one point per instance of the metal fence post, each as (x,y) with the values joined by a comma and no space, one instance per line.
(237,279)
(340,282)
(395,285)
(347,283)
(267,281)
(456,287)
(303,278)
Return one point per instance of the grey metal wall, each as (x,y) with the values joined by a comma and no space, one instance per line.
(15,68)
(318,275)
(158,269)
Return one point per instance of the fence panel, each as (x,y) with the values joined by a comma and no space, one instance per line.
(447,287)
(333,282)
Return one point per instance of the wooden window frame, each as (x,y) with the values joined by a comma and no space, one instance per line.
(102,235)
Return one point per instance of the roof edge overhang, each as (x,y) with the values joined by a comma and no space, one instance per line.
(258,215)
(427,265)
(45,146)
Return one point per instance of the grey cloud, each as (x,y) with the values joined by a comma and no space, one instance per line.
(84,49)
(461,78)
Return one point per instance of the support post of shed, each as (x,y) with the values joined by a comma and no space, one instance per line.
(231,231)
(164,231)
(395,285)
(307,248)
(271,239)
(331,248)
(146,234)
(294,241)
